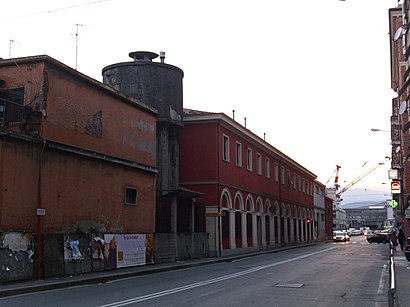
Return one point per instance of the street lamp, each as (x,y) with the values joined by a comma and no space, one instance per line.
(378,130)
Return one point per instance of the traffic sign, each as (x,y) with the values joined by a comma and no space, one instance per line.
(395,187)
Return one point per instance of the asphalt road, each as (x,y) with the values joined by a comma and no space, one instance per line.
(337,274)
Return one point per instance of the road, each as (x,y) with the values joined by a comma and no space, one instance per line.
(334,274)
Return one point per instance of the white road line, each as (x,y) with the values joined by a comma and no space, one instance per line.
(382,280)
(209,281)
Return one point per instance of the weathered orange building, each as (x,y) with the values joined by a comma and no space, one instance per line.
(76,157)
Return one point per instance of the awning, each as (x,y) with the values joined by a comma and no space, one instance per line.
(182,192)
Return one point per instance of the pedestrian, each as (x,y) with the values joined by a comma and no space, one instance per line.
(393,239)
(401,239)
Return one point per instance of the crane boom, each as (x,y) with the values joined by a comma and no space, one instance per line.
(336,182)
(356,180)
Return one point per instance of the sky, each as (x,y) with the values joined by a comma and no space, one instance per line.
(313,75)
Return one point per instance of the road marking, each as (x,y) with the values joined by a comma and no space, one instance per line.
(209,281)
(382,280)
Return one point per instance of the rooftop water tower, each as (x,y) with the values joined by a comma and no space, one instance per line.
(156,84)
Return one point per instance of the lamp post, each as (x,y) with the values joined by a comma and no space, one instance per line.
(378,130)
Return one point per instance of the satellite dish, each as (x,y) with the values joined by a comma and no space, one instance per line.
(403,107)
(398,33)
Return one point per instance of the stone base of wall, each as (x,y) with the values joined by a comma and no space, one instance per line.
(192,245)
(165,247)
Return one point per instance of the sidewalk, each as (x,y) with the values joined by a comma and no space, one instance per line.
(402,269)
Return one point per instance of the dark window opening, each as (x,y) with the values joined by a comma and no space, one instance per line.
(11,105)
(131,196)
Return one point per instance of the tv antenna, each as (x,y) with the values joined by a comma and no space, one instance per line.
(12,41)
(76,44)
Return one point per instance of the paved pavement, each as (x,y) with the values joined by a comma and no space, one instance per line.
(402,270)
(401,296)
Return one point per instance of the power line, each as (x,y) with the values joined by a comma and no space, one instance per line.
(53,10)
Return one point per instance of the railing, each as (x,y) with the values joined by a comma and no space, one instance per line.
(392,283)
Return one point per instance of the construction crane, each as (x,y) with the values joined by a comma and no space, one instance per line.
(336,184)
(356,180)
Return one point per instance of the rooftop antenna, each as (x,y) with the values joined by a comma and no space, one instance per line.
(76,44)
(233,114)
(12,41)
(245,121)
(264,135)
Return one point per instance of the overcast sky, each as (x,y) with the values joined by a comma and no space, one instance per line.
(313,75)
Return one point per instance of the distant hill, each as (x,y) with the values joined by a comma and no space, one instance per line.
(361,205)
(364,196)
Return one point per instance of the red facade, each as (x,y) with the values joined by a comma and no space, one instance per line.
(255,194)
(70,146)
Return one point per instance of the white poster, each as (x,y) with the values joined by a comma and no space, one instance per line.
(131,249)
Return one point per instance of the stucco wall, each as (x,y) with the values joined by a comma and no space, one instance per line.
(78,193)
(83,115)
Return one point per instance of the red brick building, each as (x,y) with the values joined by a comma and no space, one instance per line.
(399,119)
(256,196)
(75,157)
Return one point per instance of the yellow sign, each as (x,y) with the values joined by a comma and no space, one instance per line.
(211,214)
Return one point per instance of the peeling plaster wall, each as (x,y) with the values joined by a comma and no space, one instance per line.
(84,116)
(78,193)
(16,256)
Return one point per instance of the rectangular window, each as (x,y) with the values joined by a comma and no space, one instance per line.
(282,175)
(289,179)
(276,171)
(267,167)
(249,159)
(131,196)
(238,154)
(299,184)
(258,164)
(303,185)
(225,148)
(294,181)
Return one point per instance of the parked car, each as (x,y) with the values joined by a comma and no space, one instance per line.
(340,236)
(379,237)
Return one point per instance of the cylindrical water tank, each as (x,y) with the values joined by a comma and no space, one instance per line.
(156,84)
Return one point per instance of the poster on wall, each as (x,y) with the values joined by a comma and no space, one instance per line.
(71,249)
(110,251)
(130,250)
(149,248)
(124,250)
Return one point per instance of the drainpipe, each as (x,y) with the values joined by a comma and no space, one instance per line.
(39,213)
(219,205)
(281,233)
